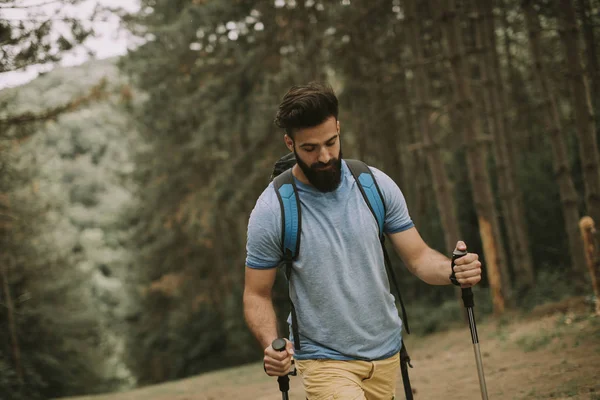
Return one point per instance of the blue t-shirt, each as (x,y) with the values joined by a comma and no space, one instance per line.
(339,284)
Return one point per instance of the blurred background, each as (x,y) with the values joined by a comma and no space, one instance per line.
(136,136)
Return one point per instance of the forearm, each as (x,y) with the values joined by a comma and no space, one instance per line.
(260,317)
(432,267)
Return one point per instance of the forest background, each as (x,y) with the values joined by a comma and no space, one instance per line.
(126,184)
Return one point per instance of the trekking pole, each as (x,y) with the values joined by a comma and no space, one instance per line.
(467,297)
(284,381)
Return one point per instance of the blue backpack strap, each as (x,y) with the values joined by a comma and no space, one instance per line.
(291,227)
(291,223)
(370,190)
(372,195)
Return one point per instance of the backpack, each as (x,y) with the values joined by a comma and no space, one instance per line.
(287,194)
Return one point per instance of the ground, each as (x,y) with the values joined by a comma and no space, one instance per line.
(550,353)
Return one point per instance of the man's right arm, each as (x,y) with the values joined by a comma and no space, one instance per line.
(258,304)
(262,321)
(263,255)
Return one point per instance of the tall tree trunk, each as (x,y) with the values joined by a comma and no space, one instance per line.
(508,191)
(584,116)
(357,95)
(567,192)
(593,67)
(476,162)
(511,100)
(359,127)
(413,159)
(592,253)
(393,160)
(515,83)
(442,188)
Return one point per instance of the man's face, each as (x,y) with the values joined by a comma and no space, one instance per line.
(319,154)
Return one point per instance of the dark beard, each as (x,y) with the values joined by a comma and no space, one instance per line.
(323,180)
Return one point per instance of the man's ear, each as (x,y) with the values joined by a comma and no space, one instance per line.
(289,142)
(338,127)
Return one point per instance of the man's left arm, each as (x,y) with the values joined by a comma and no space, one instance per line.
(430,265)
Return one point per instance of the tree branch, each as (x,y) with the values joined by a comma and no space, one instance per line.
(9,7)
(95,93)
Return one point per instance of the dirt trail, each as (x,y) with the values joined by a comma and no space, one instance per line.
(555,356)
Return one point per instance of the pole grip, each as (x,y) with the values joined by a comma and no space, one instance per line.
(279,344)
(467,293)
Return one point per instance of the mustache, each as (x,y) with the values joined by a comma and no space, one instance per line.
(320,165)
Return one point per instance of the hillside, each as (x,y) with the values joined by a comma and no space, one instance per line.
(73,179)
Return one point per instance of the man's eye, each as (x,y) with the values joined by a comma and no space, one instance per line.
(330,144)
(309,149)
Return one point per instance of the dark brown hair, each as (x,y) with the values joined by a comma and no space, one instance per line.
(306,106)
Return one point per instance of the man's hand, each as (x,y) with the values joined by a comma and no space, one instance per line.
(467,268)
(278,363)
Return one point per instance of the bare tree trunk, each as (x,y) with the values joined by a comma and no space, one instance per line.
(441,186)
(360,136)
(513,77)
(356,92)
(584,116)
(593,67)
(389,137)
(476,162)
(510,102)
(413,159)
(508,191)
(592,252)
(568,194)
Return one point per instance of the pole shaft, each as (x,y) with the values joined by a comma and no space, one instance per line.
(478,361)
(482,385)
(467,297)
(472,326)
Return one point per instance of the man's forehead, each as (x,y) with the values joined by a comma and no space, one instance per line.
(319,134)
(313,140)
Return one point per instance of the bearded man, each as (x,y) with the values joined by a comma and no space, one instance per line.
(350,330)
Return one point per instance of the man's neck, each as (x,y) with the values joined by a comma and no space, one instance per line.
(299,174)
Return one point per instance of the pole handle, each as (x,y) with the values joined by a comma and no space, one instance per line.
(467,293)
(279,344)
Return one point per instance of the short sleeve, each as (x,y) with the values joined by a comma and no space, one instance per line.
(397,217)
(263,244)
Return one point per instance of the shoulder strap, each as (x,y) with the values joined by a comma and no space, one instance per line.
(291,227)
(374,199)
(369,189)
(291,223)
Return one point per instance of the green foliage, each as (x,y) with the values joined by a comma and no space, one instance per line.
(53,322)
(544,215)
(425,319)
(553,285)
(426,316)
(68,191)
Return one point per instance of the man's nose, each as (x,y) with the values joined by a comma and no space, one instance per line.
(324,155)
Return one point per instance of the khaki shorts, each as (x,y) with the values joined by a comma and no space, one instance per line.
(349,380)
